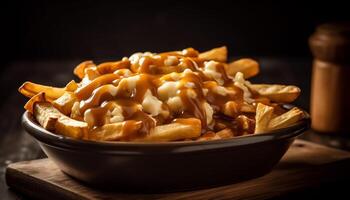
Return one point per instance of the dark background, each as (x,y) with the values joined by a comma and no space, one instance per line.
(37,30)
(42,41)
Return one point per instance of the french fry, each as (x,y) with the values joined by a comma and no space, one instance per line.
(248,67)
(40,97)
(80,69)
(52,119)
(30,89)
(110,67)
(84,92)
(217,54)
(224,134)
(262,118)
(186,129)
(114,131)
(71,86)
(277,93)
(46,116)
(286,119)
(207,136)
(65,103)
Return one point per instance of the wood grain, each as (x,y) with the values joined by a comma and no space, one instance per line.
(304,165)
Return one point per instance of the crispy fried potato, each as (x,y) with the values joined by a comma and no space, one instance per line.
(247,108)
(71,86)
(248,67)
(65,103)
(277,93)
(186,129)
(286,119)
(262,118)
(182,129)
(52,119)
(84,92)
(114,131)
(217,54)
(71,127)
(225,133)
(80,69)
(46,115)
(207,136)
(40,97)
(30,89)
(110,67)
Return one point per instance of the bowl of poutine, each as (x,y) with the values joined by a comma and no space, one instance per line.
(155,122)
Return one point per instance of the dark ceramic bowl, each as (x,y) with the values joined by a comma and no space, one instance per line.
(165,166)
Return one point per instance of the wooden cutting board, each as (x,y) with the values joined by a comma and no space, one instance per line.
(305,165)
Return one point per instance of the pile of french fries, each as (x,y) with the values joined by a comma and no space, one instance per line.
(171,96)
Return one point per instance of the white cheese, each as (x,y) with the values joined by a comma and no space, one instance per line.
(189,85)
(186,71)
(210,72)
(112,90)
(175,76)
(117,114)
(134,58)
(208,112)
(171,61)
(151,104)
(241,83)
(175,104)
(89,118)
(167,89)
(205,91)
(220,90)
(130,82)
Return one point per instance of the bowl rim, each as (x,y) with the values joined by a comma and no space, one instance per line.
(59,141)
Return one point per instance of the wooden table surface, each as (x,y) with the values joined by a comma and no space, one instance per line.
(15,145)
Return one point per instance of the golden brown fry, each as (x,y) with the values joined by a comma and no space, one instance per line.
(114,131)
(183,129)
(247,108)
(80,69)
(71,128)
(277,93)
(248,67)
(84,92)
(30,89)
(48,116)
(110,67)
(29,106)
(71,86)
(286,119)
(225,133)
(217,54)
(65,103)
(262,118)
(207,136)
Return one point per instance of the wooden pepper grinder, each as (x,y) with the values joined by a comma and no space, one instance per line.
(330,87)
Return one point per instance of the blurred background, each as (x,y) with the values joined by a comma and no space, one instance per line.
(42,41)
(37,30)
